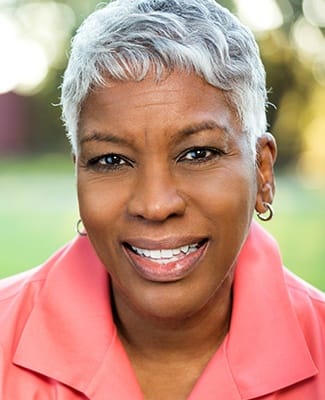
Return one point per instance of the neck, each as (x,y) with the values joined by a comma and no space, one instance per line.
(199,334)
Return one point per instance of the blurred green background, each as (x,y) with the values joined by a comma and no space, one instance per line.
(38,208)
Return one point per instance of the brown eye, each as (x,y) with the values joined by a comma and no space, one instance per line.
(200,154)
(111,160)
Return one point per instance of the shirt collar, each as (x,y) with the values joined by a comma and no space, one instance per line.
(72,322)
(266,348)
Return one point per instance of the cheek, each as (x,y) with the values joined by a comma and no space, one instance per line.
(100,203)
(228,191)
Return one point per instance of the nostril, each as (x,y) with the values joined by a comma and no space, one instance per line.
(156,214)
(156,202)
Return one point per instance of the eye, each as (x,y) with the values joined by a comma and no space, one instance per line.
(111,159)
(108,162)
(200,154)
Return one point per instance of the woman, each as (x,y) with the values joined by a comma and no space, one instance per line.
(170,291)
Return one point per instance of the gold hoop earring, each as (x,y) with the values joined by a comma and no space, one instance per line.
(268,214)
(80,232)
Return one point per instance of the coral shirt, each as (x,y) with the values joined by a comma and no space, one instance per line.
(58,339)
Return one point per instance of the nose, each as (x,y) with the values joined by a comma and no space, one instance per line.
(156,197)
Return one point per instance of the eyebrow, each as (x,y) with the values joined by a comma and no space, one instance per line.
(103,137)
(192,129)
(201,126)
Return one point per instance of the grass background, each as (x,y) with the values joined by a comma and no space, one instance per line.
(38,213)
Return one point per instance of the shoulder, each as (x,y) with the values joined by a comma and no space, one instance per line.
(309,306)
(17,290)
(18,294)
(302,293)
(16,284)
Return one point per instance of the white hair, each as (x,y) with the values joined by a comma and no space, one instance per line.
(126,39)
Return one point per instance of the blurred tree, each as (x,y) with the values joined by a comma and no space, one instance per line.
(287,81)
(294,57)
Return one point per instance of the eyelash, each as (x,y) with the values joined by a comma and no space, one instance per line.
(201,152)
(117,161)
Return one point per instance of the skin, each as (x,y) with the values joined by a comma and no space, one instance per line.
(182,173)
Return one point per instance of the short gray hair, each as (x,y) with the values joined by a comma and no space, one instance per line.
(126,39)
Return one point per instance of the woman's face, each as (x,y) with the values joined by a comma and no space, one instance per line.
(167,188)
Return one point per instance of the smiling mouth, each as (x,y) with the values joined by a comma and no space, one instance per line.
(165,256)
(165,264)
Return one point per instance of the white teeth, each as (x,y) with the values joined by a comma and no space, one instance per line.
(165,254)
(156,254)
(146,253)
(176,251)
(185,249)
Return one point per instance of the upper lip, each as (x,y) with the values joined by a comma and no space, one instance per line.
(171,242)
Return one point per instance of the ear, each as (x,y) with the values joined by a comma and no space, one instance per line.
(266,151)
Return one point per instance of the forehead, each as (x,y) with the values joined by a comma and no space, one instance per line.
(179,100)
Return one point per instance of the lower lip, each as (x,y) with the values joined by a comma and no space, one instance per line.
(170,272)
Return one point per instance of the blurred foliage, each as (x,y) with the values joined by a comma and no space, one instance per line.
(292,75)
